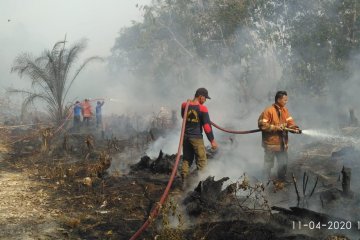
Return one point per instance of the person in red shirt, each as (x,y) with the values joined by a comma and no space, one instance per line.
(86,111)
(197,120)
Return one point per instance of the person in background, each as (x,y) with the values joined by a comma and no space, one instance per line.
(86,111)
(98,113)
(77,115)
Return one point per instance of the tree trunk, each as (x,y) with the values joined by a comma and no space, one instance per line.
(346,178)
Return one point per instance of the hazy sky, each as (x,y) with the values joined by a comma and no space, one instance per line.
(35,25)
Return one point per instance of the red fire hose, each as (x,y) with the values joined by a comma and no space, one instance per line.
(154,213)
(233,131)
(156,210)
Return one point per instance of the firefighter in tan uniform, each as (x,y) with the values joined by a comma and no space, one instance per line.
(273,121)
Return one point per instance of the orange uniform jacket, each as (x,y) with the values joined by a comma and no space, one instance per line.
(275,116)
(86,109)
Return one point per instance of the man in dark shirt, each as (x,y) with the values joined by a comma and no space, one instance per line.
(197,119)
(98,113)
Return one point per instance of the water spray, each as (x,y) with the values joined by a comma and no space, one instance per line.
(330,136)
(114,100)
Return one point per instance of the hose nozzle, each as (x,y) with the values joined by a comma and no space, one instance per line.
(297,131)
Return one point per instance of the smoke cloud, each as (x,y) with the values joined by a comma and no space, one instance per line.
(235,103)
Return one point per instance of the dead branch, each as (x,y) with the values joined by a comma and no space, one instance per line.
(296,188)
(317,179)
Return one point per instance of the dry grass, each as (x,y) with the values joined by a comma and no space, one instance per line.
(172,222)
(4,148)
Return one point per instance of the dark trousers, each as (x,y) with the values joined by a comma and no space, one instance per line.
(77,123)
(86,121)
(98,120)
(282,160)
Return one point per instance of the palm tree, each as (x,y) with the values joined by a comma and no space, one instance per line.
(51,76)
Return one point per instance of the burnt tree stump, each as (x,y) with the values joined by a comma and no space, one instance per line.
(346,179)
(144,163)
(163,163)
(206,196)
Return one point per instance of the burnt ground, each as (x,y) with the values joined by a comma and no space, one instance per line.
(69,191)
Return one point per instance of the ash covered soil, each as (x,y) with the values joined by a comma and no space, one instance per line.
(75,189)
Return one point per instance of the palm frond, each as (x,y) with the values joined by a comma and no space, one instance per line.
(30,99)
(88,60)
(25,64)
(57,46)
(72,55)
(49,74)
(51,64)
(20,63)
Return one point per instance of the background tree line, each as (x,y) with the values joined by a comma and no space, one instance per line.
(253,46)
(312,40)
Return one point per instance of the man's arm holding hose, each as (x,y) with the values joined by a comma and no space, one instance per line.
(291,125)
(206,123)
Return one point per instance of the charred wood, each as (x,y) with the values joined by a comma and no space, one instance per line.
(206,196)
(162,164)
(143,164)
(346,179)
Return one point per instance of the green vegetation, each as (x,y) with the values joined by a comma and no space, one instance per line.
(312,41)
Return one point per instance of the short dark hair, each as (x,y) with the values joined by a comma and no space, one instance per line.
(280,94)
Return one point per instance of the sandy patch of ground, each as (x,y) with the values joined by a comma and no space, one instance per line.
(24,213)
